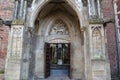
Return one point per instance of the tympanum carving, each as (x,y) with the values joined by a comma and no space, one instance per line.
(59,28)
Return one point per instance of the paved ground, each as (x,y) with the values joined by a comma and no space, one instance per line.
(49,78)
(1,76)
(59,78)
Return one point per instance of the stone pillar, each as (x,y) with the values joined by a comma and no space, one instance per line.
(99,8)
(21,9)
(25,9)
(100,66)
(39,58)
(16,10)
(92,11)
(15,50)
(26,55)
(87,55)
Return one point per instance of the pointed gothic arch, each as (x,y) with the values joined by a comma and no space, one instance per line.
(76,5)
(69,14)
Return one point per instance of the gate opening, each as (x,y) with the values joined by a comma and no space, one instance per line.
(57,59)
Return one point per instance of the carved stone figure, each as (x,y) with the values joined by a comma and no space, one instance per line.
(59,28)
(97,43)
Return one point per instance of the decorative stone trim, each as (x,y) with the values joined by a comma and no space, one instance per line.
(97,42)
(96,21)
(18,22)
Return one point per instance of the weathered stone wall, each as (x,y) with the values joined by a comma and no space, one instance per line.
(6,8)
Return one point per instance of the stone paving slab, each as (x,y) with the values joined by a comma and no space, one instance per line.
(58,78)
(1,76)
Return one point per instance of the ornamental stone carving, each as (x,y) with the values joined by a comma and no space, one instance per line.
(17,40)
(97,42)
(58,28)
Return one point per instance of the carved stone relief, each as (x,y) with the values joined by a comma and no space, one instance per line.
(16,40)
(97,42)
(58,28)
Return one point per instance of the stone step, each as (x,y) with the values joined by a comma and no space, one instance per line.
(58,78)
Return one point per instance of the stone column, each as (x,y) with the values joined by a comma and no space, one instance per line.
(15,50)
(86,54)
(92,11)
(99,8)
(16,10)
(24,9)
(100,67)
(21,9)
(39,58)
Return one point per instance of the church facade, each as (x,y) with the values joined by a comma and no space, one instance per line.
(49,37)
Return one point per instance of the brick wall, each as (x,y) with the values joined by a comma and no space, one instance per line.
(108,13)
(6,11)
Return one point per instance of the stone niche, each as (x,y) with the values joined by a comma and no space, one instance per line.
(99,62)
(97,41)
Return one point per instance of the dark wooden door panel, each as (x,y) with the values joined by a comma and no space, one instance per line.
(47,60)
(69,55)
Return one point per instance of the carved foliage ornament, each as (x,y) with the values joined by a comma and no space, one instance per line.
(58,28)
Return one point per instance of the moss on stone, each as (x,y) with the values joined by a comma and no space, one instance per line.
(18,22)
(96,21)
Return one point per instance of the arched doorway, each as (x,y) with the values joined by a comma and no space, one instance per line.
(57,59)
(60,23)
(57,23)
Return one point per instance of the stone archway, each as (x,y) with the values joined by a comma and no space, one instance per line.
(27,40)
(64,22)
(76,5)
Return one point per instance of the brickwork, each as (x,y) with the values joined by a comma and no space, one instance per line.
(108,13)
(6,11)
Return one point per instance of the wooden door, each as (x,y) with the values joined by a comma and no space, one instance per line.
(69,66)
(47,60)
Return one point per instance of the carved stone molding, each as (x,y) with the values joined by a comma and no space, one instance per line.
(97,42)
(58,28)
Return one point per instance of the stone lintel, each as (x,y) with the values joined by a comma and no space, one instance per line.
(18,22)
